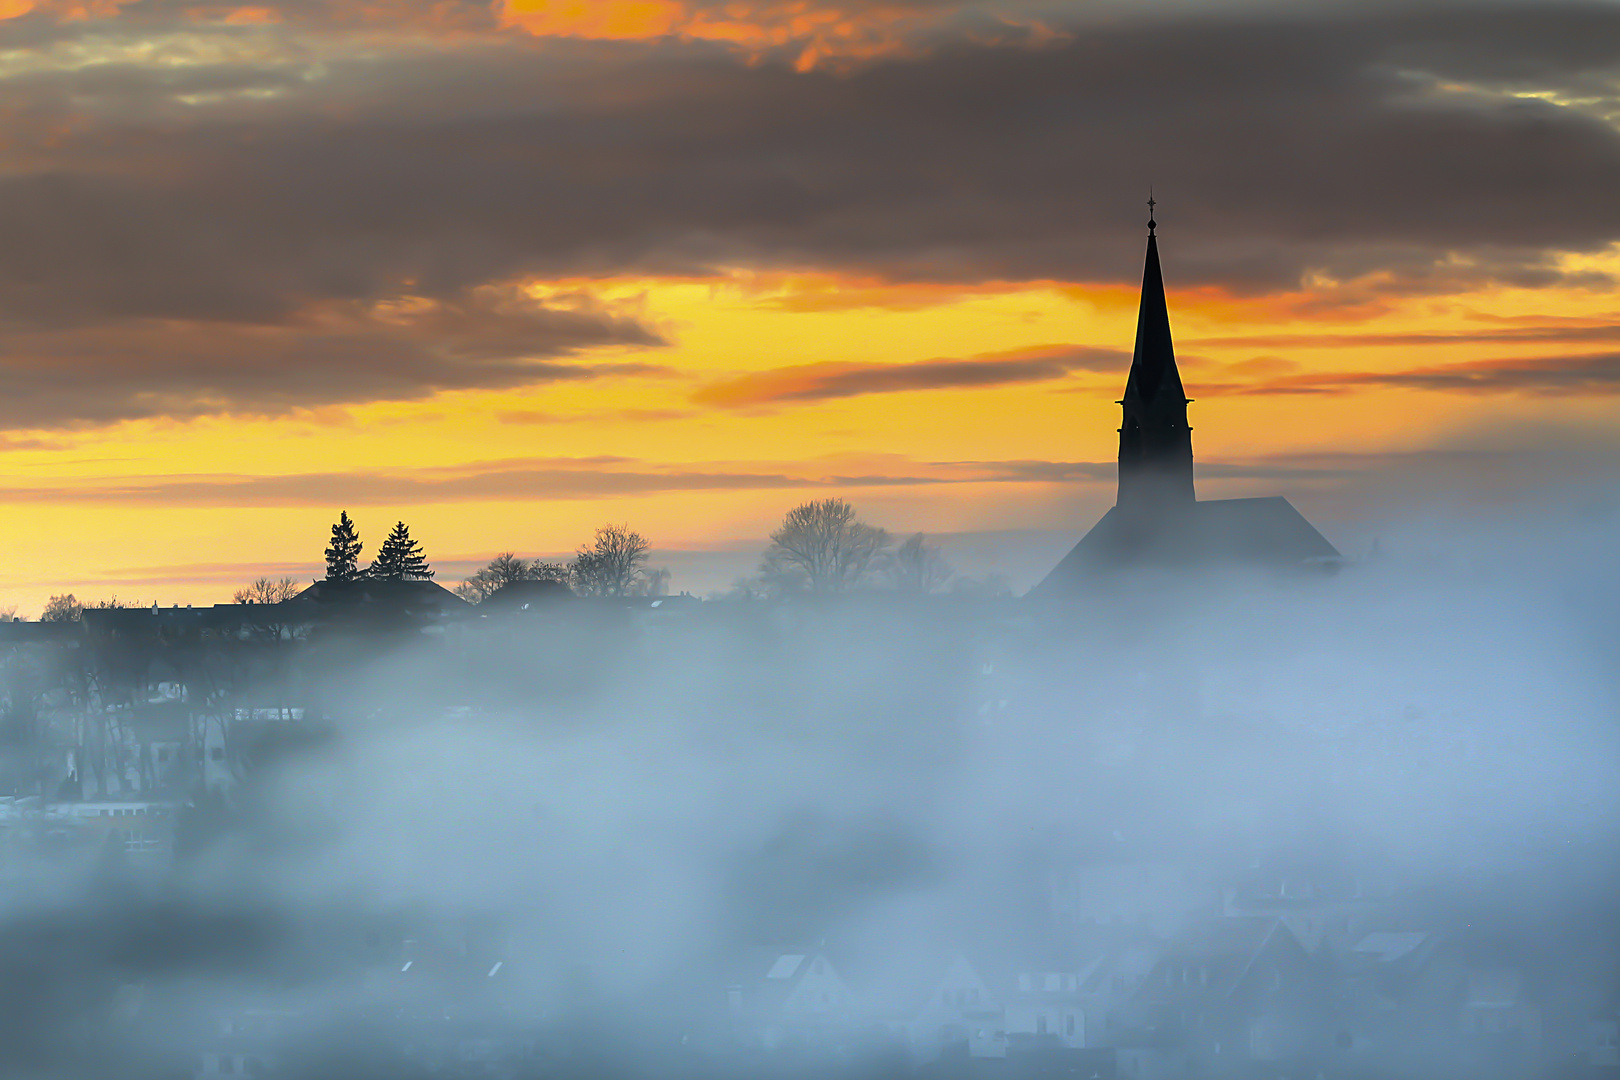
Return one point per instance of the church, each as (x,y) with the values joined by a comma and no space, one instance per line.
(1157,521)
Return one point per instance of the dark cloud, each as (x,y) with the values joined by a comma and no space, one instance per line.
(275,173)
(336,356)
(1592,374)
(1542,334)
(821,382)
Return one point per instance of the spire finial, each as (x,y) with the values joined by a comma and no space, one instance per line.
(1151,204)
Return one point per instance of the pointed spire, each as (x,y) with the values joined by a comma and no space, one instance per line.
(1155,442)
(1153,363)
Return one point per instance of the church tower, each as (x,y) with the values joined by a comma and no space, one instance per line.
(1156,520)
(1155,443)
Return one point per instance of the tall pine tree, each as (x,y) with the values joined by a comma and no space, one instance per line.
(399,558)
(343,557)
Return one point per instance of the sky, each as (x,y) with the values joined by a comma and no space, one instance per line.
(507,271)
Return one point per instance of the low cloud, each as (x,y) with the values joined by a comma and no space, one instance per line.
(826,381)
(334,354)
(536,479)
(1546,333)
(622,416)
(1593,374)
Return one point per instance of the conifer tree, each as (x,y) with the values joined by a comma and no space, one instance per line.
(343,557)
(400,558)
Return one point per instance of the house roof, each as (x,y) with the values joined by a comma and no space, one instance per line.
(1211,532)
(767,976)
(365,597)
(902,985)
(521,595)
(1240,936)
(19,632)
(1212,958)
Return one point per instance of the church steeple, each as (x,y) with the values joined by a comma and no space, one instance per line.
(1155,443)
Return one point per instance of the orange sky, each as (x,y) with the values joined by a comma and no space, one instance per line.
(59,523)
(952,402)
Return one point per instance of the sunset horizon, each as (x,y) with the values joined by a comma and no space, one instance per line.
(507,273)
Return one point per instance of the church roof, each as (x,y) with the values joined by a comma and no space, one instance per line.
(1153,363)
(1230,532)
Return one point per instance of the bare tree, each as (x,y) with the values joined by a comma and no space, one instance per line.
(822,547)
(613,565)
(63,608)
(918,567)
(505,569)
(654,583)
(268,591)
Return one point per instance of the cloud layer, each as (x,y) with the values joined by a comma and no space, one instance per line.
(826,381)
(217,212)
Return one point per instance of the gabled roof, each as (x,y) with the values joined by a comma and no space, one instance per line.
(1229,937)
(767,976)
(524,595)
(1214,958)
(409,596)
(18,632)
(1266,532)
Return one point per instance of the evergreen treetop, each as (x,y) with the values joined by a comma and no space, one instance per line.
(343,556)
(400,558)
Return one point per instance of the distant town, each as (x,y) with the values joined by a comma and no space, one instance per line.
(854,818)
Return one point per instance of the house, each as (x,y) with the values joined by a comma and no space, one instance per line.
(536,595)
(1232,993)
(1602,1051)
(1126,959)
(1043,988)
(410,603)
(1322,904)
(136,827)
(1439,1003)
(938,1002)
(776,997)
(245,1041)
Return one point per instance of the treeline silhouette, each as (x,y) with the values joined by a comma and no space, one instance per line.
(821,548)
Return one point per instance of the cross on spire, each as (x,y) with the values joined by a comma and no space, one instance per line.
(1151,204)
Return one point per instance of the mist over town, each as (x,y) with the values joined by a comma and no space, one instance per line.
(803,539)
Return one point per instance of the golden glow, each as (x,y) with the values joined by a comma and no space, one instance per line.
(817,32)
(169,511)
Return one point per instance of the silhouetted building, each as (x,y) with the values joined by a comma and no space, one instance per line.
(528,595)
(410,600)
(1157,520)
